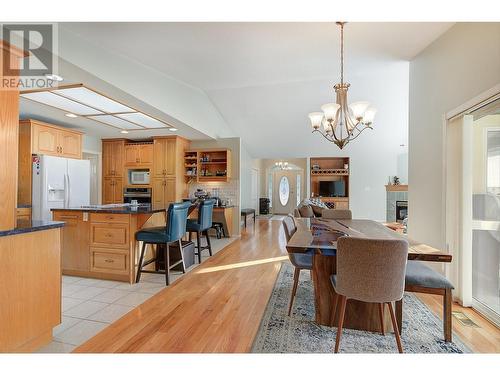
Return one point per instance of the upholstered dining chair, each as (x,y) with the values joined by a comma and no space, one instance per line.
(201,225)
(174,230)
(370,270)
(299,261)
(337,214)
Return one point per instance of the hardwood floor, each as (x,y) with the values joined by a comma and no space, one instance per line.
(482,339)
(218,306)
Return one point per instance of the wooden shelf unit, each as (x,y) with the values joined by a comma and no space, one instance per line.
(207,165)
(330,169)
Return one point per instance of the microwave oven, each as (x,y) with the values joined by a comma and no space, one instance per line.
(138,177)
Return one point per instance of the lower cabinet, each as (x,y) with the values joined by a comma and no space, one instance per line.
(109,261)
(112,191)
(97,244)
(164,191)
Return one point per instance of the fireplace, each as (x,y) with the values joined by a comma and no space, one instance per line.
(401,210)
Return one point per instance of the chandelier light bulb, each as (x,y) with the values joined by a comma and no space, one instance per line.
(369,116)
(358,109)
(330,111)
(316,119)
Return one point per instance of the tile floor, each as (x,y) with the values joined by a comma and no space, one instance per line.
(90,305)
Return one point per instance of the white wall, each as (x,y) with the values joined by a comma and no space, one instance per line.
(246,165)
(461,64)
(273,122)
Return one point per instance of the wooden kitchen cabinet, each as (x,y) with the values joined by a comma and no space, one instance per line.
(75,240)
(138,154)
(112,158)
(164,191)
(112,191)
(165,157)
(47,139)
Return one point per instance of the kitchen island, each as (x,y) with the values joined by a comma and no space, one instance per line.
(30,254)
(99,241)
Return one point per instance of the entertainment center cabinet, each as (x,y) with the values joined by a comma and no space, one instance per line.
(331,169)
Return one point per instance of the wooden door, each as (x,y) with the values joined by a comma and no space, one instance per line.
(146,154)
(170,192)
(108,191)
(45,140)
(158,191)
(107,159)
(75,240)
(132,155)
(159,153)
(118,190)
(70,145)
(117,158)
(170,157)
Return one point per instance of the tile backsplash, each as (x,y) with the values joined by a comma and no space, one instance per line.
(227,190)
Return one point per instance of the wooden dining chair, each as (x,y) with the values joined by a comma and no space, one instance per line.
(299,261)
(337,214)
(369,270)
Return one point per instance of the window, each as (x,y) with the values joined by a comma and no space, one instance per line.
(298,189)
(284,190)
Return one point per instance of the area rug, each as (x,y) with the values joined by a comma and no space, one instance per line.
(278,333)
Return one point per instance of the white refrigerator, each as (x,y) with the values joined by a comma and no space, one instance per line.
(59,183)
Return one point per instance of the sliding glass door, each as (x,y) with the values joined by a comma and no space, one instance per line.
(486,213)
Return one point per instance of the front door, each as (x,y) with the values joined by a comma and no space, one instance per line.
(284,191)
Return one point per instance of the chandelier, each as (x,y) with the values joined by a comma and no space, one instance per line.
(283,165)
(339,122)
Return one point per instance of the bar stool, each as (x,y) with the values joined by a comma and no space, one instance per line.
(201,225)
(173,232)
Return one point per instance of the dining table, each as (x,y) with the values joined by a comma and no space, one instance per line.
(318,236)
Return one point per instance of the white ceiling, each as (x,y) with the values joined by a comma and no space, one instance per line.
(264,78)
(225,55)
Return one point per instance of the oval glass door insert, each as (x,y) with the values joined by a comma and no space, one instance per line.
(284,190)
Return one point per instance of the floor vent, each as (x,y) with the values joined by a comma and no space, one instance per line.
(464,319)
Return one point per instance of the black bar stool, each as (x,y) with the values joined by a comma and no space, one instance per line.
(173,232)
(202,225)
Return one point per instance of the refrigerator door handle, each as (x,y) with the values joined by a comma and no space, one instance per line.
(66,190)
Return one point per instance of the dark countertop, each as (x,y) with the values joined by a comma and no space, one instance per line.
(24,206)
(31,226)
(133,210)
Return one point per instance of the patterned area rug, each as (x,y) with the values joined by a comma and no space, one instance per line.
(278,333)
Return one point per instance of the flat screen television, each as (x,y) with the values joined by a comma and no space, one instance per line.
(331,189)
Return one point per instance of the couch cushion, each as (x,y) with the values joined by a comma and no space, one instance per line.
(306,211)
(317,210)
(418,274)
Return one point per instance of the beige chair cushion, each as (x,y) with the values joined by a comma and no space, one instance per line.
(306,211)
(371,270)
(337,214)
(289,227)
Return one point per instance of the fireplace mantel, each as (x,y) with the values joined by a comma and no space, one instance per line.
(396,187)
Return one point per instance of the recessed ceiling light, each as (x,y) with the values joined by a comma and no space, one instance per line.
(54,77)
(124,131)
(72,115)
(173,129)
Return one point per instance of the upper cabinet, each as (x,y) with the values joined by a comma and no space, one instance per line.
(112,157)
(208,165)
(165,157)
(47,139)
(138,154)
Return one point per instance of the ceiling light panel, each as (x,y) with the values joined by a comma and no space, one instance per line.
(67,105)
(93,99)
(116,122)
(143,120)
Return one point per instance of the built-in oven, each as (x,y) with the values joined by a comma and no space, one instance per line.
(138,176)
(141,195)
